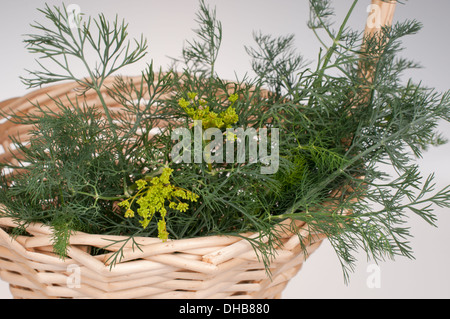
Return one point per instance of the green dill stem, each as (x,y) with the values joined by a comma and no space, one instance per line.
(133,198)
(107,113)
(335,44)
(96,87)
(99,197)
(61,196)
(320,39)
(209,159)
(338,38)
(211,79)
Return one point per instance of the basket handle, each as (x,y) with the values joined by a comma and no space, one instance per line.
(381,14)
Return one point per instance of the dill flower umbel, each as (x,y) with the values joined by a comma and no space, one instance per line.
(155,196)
(210,118)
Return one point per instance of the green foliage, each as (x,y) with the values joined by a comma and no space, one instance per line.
(336,127)
(275,61)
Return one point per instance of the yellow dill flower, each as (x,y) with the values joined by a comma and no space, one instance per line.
(231,136)
(155,197)
(183,103)
(230,116)
(165,176)
(129,213)
(233,97)
(192,196)
(209,118)
(155,181)
(179,193)
(173,205)
(182,207)
(144,222)
(125,204)
(162,230)
(192,95)
(141,184)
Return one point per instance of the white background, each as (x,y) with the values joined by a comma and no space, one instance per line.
(166,24)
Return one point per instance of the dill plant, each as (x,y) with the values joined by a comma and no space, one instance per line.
(90,170)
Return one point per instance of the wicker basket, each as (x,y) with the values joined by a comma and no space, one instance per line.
(205,267)
(208,267)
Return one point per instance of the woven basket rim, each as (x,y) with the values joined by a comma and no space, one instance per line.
(201,267)
(153,245)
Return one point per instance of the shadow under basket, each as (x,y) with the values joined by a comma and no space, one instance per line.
(205,267)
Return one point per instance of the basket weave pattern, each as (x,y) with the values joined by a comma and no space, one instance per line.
(209,267)
(206,267)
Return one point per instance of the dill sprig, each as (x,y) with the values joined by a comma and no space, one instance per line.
(336,127)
